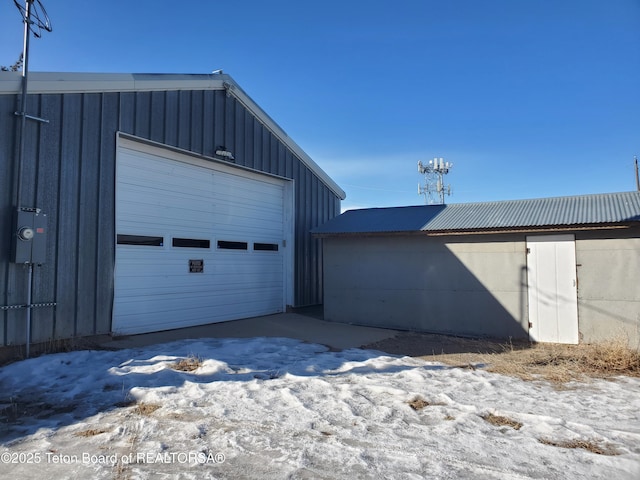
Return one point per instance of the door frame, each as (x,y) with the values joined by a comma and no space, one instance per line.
(287,244)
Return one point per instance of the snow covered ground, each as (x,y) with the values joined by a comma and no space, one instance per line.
(279,408)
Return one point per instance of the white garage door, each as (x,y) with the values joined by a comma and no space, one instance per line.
(197,242)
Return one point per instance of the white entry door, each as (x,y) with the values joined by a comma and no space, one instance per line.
(552,289)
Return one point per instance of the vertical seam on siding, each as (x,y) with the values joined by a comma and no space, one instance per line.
(78,214)
(58,200)
(98,222)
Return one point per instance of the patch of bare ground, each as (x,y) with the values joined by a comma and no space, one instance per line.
(500,421)
(589,445)
(146,409)
(92,432)
(529,361)
(140,408)
(418,403)
(188,364)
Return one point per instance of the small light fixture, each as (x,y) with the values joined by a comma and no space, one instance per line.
(224,153)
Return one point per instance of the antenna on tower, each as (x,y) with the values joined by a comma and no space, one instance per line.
(35,17)
(635,159)
(434,187)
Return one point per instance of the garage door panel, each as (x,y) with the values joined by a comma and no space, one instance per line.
(143,268)
(185,190)
(248,234)
(131,226)
(143,204)
(146,299)
(246,215)
(220,281)
(239,222)
(148,317)
(166,198)
(175,301)
(147,205)
(148,322)
(160,196)
(138,166)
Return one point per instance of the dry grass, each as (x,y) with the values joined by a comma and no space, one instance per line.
(529,361)
(552,362)
(189,364)
(418,403)
(92,432)
(500,421)
(141,408)
(564,363)
(146,408)
(590,445)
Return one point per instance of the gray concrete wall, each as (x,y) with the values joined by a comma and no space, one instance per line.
(461,285)
(476,284)
(609,286)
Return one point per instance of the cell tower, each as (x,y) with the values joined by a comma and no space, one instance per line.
(434,188)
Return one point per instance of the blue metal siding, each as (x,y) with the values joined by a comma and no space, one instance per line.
(8,275)
(46,193)
(105,251)
(69,172)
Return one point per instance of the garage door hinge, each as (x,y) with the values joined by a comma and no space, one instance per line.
(528,250)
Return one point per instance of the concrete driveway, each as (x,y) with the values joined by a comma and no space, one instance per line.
(306,326)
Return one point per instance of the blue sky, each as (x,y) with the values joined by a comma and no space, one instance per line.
(528,99)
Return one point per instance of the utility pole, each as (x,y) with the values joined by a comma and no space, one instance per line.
(30,223)
(434,187)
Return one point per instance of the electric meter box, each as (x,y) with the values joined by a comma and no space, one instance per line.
(30,236)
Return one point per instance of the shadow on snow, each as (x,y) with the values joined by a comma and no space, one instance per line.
(62,389)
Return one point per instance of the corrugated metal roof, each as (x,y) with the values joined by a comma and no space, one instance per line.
(607,208)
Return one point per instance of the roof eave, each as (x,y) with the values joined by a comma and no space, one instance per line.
(483,231)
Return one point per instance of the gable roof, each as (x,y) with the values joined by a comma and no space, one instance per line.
(80,82)
(575,211)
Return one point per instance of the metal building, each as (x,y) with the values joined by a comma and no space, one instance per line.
(559,270)
(150,202)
